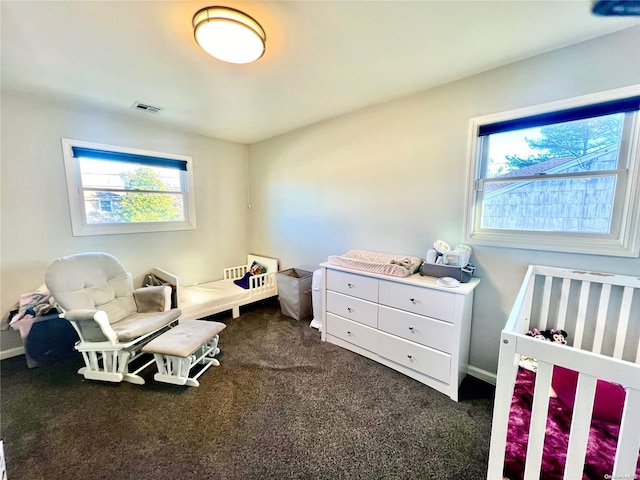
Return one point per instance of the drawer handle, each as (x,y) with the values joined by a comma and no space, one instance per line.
(411,328)
(350,285)
(412,300)
(349,309)
(409,357)
(349,332)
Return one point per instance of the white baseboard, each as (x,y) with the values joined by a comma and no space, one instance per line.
(11,352)
(482,374)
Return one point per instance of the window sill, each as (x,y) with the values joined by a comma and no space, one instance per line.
(548,241)
(121,229)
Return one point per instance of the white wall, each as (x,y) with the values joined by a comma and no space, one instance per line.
(392,177)
(35,220)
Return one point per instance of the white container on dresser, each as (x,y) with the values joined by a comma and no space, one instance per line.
(410,324)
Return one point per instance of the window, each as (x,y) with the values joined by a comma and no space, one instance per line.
(106,206)
(561,177)
(122,190)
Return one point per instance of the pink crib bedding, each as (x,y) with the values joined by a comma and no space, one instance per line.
(601,446)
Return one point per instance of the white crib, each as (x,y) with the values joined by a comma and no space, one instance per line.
(203,299)
(601,312)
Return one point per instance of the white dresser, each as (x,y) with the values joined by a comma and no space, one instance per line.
(409,324)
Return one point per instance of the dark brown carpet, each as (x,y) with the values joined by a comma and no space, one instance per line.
(282,405)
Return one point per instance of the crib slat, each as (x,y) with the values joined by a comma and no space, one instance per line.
(564,301)
(623,322)
(582,313)
(528,300)
(601,318)
(539,411)
(580,423)
(629,438)
(546,298)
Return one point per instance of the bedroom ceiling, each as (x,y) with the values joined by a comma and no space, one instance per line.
(323,58)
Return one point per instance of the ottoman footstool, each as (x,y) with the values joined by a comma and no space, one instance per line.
(184,346)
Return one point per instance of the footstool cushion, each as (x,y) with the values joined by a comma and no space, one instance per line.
(180,348)
(185,338)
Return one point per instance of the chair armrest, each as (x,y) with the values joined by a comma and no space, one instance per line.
(80,315)
(85,322)
(153,299)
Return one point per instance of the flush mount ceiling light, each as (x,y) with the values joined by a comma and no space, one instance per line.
(229,34)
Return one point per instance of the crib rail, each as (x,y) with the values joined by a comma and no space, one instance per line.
(590,367)
(262,283)
(233,273)
(603,312)
(600,311)
(265,282)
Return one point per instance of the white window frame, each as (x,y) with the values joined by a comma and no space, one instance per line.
(624,243)
(79,224)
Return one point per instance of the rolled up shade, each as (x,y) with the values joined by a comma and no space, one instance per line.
(579,113)
(129,158)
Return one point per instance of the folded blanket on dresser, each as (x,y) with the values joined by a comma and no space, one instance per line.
(395,265)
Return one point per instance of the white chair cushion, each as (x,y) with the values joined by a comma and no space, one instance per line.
(92,280)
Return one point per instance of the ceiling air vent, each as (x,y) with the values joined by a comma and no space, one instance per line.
(143,107)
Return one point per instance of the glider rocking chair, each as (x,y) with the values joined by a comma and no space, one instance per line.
(114,320)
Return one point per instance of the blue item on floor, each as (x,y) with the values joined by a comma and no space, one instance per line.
(50,339)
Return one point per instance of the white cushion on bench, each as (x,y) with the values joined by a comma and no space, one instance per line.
(184,339)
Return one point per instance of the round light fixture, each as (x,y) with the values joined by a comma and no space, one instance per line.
(229,34)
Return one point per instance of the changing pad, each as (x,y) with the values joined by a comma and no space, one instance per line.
(395,265)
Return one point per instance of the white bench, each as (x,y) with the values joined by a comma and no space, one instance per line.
(182,347)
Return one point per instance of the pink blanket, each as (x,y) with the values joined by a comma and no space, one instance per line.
(395,265)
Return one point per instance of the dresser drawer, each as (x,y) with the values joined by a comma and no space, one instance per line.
(423,301)
(426,331)
(353,308)
(353,284)
(351,332)
(416,357)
